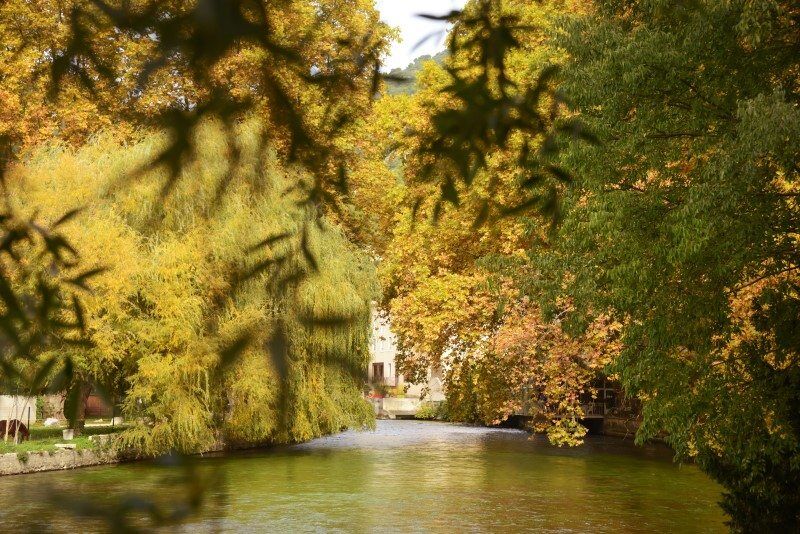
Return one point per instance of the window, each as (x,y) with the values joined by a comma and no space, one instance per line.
(377,372)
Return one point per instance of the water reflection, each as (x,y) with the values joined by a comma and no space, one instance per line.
(411,476)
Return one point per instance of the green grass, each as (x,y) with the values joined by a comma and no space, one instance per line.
(44,439)
(44,445)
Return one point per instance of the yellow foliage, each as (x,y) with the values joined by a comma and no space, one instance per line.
(169,301)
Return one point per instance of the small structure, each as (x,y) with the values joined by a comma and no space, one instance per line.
(606,409)
(392,395)
(383,349)
(18,407)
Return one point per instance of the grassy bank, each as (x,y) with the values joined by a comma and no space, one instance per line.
(44,438)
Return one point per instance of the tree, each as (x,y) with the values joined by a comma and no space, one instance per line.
(680,226)
(403,81)
(175,294)
(453,270)
(532,364)
(73,69)
(683,226)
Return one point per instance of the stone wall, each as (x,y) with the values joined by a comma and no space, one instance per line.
(13,463)
(622,427)
(392,407)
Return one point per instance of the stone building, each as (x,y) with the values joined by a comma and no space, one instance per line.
(397,396)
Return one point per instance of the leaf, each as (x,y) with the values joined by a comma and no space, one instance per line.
(449,192)
(342,183)
(452,15)
(307,252)
(483,215)
(415,207)
(81,279)
(80,319)
(72,404)
(559,173)
(269,241)
(71,214)
(230,354)
(277,348)
(258,268)
(63,378)
(330,321)
(521,207)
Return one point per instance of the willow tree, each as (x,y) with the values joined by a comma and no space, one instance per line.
(72,69)
(175,293)
(69,69)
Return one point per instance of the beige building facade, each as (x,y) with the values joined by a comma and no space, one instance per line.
(383,366)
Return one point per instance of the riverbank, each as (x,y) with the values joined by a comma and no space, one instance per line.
(21,463)
(91,451)
(47,450)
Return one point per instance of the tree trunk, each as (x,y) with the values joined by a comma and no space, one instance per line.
(79,410)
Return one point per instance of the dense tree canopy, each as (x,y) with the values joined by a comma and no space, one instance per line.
(169,300)
(684,223)
(454,286)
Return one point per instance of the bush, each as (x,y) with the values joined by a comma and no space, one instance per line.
(40,408)
(433,411)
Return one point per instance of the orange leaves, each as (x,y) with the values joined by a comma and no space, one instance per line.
(749,304)
(532,364)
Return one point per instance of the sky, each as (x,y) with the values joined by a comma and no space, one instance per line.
(402,14)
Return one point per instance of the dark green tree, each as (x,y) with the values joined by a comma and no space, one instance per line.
(684,224)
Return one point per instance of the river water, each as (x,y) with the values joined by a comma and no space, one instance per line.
(406,476)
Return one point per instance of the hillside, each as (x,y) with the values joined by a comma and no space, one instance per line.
(409,85)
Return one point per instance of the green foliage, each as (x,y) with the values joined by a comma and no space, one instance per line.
(182,304)
(679,219)
(683,224)
(433,411)
(486,128)
(43,439)
(309,67)
(487,105)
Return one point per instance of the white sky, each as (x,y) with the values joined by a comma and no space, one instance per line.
(402,14)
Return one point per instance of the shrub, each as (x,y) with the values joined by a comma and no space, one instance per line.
(433,411)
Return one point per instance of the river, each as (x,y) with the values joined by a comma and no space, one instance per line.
(406,476)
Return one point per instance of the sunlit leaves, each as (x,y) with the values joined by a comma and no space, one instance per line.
(282,70)
(185,313)
(486,107)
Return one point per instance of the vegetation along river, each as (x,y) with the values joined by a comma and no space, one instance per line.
(407,476)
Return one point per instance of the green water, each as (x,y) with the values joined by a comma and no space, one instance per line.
(407,476)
